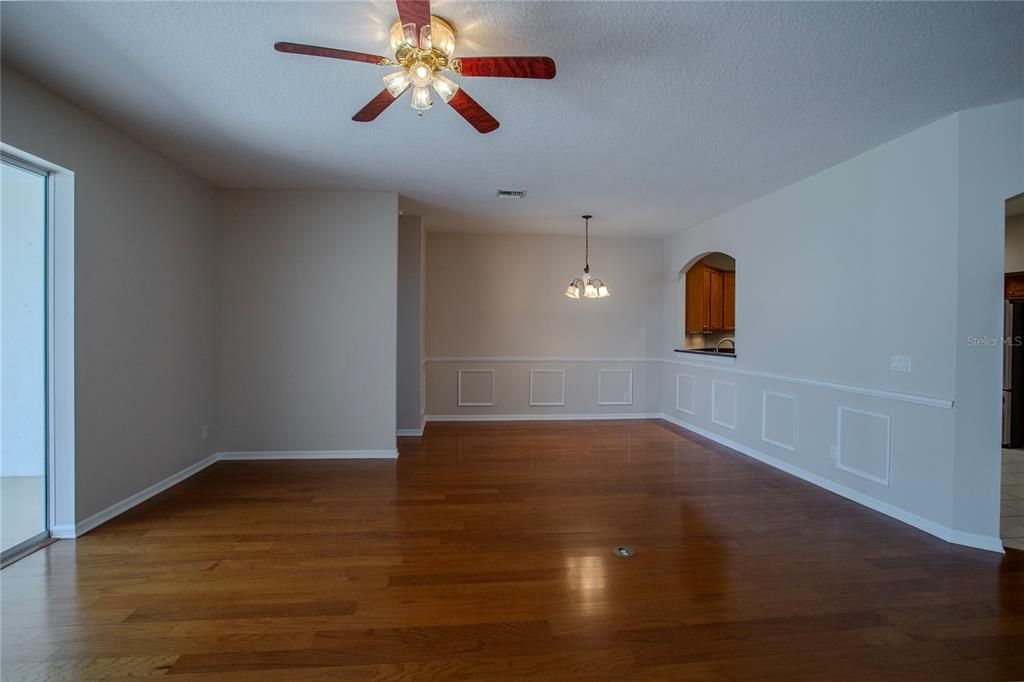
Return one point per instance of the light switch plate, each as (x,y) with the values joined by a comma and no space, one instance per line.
(900,363)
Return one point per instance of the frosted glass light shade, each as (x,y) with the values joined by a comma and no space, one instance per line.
(421,98)
(574,289)
(590,291)
(441,37)
(602,292)
(420,73)
(397,82)
(444,87)
(408,34)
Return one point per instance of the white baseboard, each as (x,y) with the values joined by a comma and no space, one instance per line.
(84,526)
(409,432)
(63,532)
(991,544)
(308,454)
(540,417)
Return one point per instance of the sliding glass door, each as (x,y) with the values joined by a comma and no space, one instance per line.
(23,454)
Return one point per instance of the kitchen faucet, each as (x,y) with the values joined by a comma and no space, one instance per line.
(718,348)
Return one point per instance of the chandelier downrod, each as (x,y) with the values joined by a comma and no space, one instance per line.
(586,286)
(586,252)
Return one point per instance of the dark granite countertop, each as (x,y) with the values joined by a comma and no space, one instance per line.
(708,351)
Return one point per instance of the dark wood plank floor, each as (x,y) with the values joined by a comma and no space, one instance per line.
(485,553)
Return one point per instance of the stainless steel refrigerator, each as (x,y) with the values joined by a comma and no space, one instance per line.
(1013,374)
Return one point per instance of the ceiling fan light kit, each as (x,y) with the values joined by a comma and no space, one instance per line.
(587,286)
(424,47)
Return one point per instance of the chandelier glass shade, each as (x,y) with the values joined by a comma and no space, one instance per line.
(587,286)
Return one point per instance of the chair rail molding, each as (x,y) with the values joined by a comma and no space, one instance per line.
(931,401)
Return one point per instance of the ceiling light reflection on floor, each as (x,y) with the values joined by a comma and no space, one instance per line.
(586,573)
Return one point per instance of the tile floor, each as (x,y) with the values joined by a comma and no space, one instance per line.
(1012,530)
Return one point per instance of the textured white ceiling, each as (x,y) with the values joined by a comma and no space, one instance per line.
(662,114)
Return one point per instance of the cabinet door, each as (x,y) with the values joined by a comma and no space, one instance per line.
(1014,286)
(717,301)
(695,315)
(729,292)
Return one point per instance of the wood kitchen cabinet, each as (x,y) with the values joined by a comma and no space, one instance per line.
(698,306)
(710,300)
(717,312)
(729,293)
(1014,288)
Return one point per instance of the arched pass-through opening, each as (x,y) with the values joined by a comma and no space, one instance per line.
(709,305)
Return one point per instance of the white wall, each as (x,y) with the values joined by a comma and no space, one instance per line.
(144,270)
(307,321)
(990,143)
(23,324)
(895,252)
(410,323)
(495,302)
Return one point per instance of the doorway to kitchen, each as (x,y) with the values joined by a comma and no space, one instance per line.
(1012,482)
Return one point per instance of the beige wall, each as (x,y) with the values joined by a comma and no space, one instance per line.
(410,323)
(1015,243)
(502,295)
(495,310)
(287,314)
(144,269)
(307,313)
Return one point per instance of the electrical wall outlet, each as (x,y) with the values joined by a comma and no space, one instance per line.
(206,431)
(900,363)
(833,452)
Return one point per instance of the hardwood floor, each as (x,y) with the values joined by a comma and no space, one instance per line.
(485,552)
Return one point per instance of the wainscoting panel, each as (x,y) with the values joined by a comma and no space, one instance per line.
(864,444)
(905,472)
(547,387)
(686,393)
(891,451)
(778,419)
(615,387)
(542,387)
(476,387)
(723,404)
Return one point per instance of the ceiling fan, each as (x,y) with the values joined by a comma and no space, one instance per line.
(424,46)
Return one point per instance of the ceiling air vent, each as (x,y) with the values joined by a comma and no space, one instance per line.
(512,193)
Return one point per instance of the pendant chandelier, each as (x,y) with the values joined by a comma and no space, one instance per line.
(587,286)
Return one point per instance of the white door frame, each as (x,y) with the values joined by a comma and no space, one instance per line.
(60,339)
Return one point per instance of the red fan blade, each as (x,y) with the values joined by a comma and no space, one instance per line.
(298,48)
(475,114)
(507,67)
(416,12)
(374,107)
